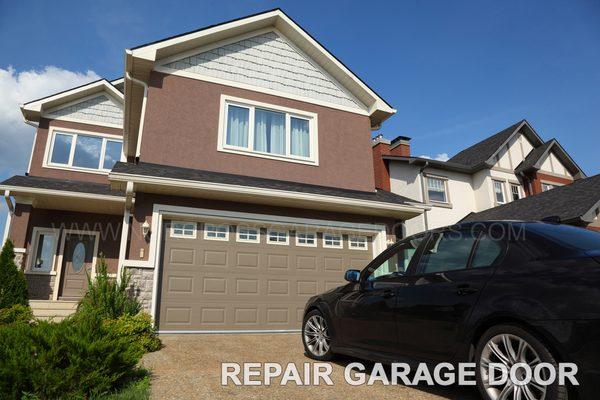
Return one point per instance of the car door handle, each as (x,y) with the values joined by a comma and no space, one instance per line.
(464,290)
(388,294)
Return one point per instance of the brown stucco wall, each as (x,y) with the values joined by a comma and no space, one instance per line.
(109,226)
(39,148)
(144,203)
(181,129)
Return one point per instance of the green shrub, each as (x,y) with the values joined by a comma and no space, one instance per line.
(138,328)
(73,359)
(108,297)
(16,313)
(13,286)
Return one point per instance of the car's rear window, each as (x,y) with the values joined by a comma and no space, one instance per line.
(571,236)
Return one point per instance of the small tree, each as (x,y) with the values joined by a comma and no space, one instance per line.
(13,286)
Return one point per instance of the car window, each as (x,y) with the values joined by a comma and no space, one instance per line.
(446,251)
(488,251)
(566,235)
(397,263)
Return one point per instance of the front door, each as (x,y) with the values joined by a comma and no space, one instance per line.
(367,318)
(78,257)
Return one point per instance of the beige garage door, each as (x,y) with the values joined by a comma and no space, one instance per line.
(227,276)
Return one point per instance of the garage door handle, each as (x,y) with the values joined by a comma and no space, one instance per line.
(388,294)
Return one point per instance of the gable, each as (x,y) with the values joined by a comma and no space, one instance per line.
(552,164)
(266,60)
(101,109)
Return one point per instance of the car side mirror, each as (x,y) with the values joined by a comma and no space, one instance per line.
(352,275)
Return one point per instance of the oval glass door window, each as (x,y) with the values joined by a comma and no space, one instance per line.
(78,257)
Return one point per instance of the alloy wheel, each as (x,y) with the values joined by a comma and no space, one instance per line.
(316,335)
(509,350)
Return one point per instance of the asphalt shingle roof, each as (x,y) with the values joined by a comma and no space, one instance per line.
(482,151)
(165,171)
(61,184)
(567,202)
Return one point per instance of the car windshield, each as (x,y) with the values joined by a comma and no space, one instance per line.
(571,236)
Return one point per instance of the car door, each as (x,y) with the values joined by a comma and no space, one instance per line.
(445,284)
(366,314)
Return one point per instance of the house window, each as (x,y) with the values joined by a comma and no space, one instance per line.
(357,242)
(83,151)
(183,229)
(269,131)
(515,191)
(332,241)
(251,235)
(499,192)
(306,239)
(277,237)
(436,189)
(216,232)
(44,250)
(547,186)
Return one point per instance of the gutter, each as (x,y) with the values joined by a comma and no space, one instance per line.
(261,192)
(142,114)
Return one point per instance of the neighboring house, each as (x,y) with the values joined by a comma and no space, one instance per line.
(230,173)
(575,204)
(507,166)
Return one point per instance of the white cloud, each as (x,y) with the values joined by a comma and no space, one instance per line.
(438,157)
(17,88)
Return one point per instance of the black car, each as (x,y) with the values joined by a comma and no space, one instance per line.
(473,292)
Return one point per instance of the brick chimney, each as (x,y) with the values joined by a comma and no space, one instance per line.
(400,146)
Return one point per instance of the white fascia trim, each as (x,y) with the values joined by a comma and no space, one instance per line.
(64,193)
(161,210)
(261,192)
(278,18)
(37,105)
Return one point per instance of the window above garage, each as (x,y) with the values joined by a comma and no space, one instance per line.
(268,131)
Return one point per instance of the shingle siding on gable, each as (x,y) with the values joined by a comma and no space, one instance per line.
(97,109)
(267,61)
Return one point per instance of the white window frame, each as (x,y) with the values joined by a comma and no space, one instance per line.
(503,192)
(363,240)
(238,234)
(278,231)
(223,239)
(444,182)
(333,246)
(251,105)
(552,186)
(74,133)
(313,244)
(35,236)
(183,235)
(519,192)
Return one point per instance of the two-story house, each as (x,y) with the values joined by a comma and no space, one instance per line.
(502,168)
(230,172)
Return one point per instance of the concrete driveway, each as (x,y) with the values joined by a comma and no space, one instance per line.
(189,367)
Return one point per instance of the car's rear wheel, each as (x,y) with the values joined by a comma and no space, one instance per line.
(316,336)
(510,345)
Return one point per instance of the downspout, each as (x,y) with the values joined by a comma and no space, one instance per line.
(129,201)
(424,193)
(36,126)
(142,114)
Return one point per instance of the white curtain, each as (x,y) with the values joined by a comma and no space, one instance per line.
(269,131)
(237,126)
(300,140)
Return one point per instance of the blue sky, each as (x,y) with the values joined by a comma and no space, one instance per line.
(456,71)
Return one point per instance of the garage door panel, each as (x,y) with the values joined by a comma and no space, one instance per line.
(232,285)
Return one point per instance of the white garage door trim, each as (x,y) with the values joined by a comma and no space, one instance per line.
(163,210)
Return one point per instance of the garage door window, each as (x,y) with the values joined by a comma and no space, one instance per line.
(216,232)
(277,237)
(332,241)
(306,239)
(357,242)
(182,229)
(250,235)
